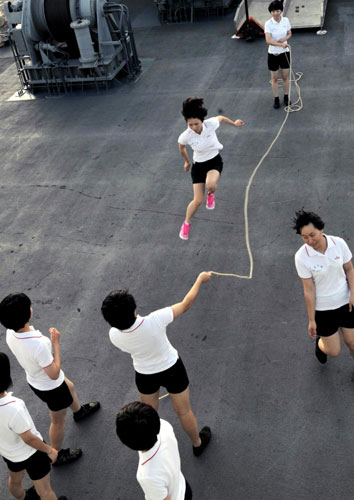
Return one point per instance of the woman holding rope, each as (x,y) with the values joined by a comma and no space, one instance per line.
(324,265)
(277,31)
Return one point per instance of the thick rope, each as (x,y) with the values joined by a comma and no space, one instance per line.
(293,107)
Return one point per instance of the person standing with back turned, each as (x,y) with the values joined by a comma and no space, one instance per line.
(156,362)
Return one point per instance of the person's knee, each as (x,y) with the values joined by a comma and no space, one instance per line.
(198,201)
(183,411)
(58,417)
(211,187)
(333,351)
(274,80)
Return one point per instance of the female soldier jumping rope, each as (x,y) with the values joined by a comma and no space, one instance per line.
(207,163)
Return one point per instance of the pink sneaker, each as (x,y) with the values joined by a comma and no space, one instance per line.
(184,231)
(210,204)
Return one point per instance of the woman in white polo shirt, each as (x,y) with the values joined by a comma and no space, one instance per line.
(159,474)
(277,31)
(324,265)
(207,162)
(21,445)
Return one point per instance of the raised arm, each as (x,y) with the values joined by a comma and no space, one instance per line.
(310,299)
(349,271)
(236,123)
(53,370)
(182,307)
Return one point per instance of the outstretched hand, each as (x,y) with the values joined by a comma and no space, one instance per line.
(238,123)
(205,276)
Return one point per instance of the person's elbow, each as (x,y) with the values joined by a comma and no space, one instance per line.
(53,371)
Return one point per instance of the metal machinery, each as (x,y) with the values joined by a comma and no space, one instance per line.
(59,44)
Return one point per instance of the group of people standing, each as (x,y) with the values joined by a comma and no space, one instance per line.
(323,263)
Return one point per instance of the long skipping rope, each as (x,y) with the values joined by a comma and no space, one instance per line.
(291,108)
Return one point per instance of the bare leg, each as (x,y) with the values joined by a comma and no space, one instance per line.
(75,405)
(274,77)
(330,345)
(285,78)
(15,484)
(44,489)
(212,180)
(182,407)
(198,191)
(56,429)
(150,399)
(348,337)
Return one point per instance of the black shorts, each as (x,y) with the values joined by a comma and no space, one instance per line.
(56,399)
(174,379)
(188,494)
(200,169)
(328,322)
(37,466)
(281,61)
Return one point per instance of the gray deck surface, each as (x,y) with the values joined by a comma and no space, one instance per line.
(93,194)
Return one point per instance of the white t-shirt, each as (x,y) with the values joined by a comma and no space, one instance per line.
(147,343)
(159,471)
(15,420)
(332,289)
(34,352)
(206,144)
(278,31)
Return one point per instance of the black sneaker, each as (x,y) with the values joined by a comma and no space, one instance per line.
(286,100)
(276,104)
(86,410)
(320,355)
(67,456)
(31,494)
(205,435)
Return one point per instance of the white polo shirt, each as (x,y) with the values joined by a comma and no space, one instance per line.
(159,471)
(206,144)
(15,420)
(277,31)
(332,289)
(147,343)
(34,352)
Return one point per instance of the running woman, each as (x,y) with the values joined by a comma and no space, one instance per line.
(207,162)
(324,265)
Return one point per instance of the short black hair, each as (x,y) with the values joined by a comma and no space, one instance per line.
(137,426)
(276,5)
(118,309)
(303,218)
(5,374)
(15,311)
(193,107)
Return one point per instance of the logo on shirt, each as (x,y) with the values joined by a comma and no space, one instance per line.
(317,268)
(336,258)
